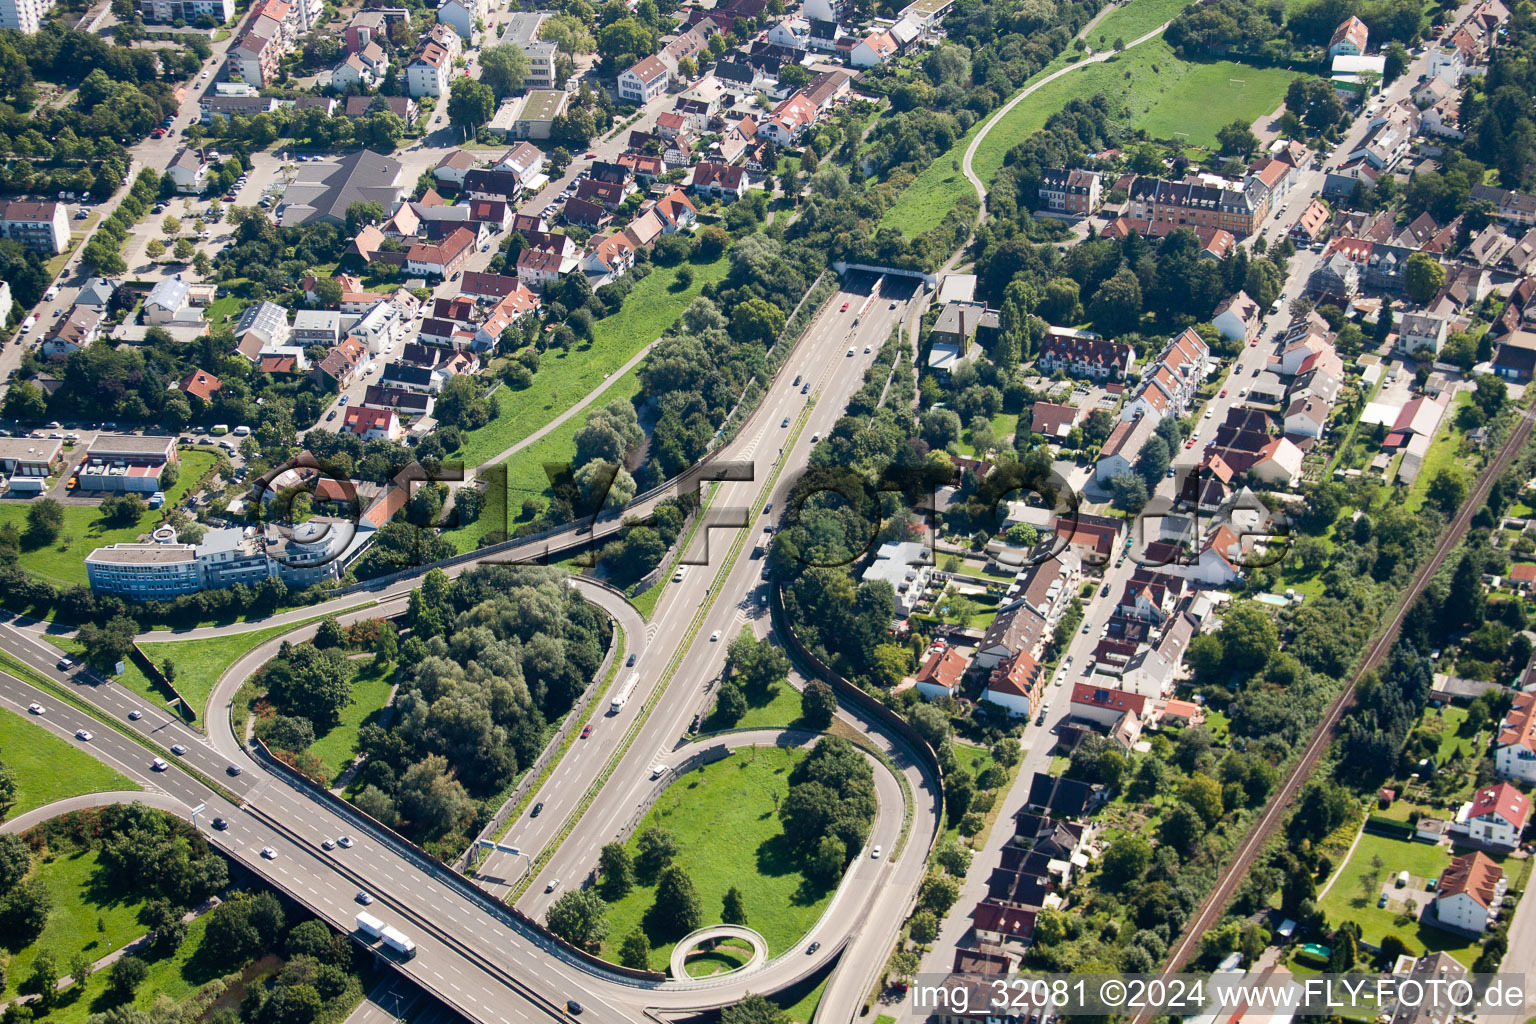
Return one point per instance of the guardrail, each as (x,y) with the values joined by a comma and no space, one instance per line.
(424,861)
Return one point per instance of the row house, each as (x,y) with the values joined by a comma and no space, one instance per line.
(538,268)
(213,106)
(1195,202)
(1469,893)
(1515,209)
(1170,382)
(516,304)
(403,403)
(1084,354)
(1074,192)
(720,181)
(166,11)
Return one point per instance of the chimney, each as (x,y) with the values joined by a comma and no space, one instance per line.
(962,325)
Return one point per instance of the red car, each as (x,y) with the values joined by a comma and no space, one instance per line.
(1223,392)
(1254,343)
(1190,443)
(844,309)
(586,730)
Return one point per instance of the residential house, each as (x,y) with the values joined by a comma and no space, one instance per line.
(1053,420)
(1083,354)
(189,170)
(941,673)
(1238,209)
(403,403)
(463,16)
(441,259)
(323,190)
(1063,796)
(676,212)
(267,320)
(1420,333)
(97,294)
(38,227)
(254,56)
(1512,208)
(519,302)
(873,50)
(316,327)
(168,302)
(720,181)
(1496,819)
(373,424)
(342,364)
(1469,893)
(907,567)
(1514,750)
(1515,357)
(1121,448)
(1312,225)
(644,81)
(1350,38)
(363,70)
(537,268)
(1017,684)
(1277,463)
(1238,318)
(75,331)
(200,384)
(429,71)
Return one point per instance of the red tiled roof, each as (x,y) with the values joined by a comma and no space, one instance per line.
(1503,801)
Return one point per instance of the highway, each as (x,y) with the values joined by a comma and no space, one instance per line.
(475,961)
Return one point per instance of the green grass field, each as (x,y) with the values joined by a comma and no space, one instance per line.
(727,832)
(1347,899)
(199,663)
(1442,454)
(370,689)
(1133,20)
(1163,94)
(176,976)
(62,561)
(803,1009)
(80,900)
(564,378)
(48,768)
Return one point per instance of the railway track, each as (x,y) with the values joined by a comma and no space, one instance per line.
(1210,911)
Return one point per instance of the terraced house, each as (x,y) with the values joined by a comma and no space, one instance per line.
(1195,202)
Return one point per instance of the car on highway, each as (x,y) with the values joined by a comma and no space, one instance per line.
(813,947)
(631,660)
(892,305)
(233,769)
(866,349)
(135,715)
(363,897)
(586,730)
(327,844)
(797,380)
(538,809)
(875,853)
(572,1007)
(268,853)
(37,709)
(815,437)
(850,353)
(82,735)
(345,842)
(844,309)
(178,749)
(1223,393)
(713,637)
(785,423)
(768,508)
(806,387)
(330,416)
(63,665)
(220,824)
(158,764)
(552,885)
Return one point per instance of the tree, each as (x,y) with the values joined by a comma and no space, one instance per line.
(24,401)
(754,1009)
(359,214)
(616,870)
(677,908)
(1248,637)
(1116,306)
(1396,63)
(470,104)
(1126,861)
(154,248)
(504,68)
(107,645)
(733,909)
(1423,278)
(15,861)
(1129,492)
(1236,139)
(1203,794)
(817,704)
(103,257)
(1447,489)
(580,917)
(125,975)
(183,249)
(636,951)
(756,320)
(655,849)
(45,518)
(924,927)
(1023,534)
(80,968)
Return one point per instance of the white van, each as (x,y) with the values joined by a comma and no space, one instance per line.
(52,292)
(28,323)
(242,431)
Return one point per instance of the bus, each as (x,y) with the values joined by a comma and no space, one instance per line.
(622,697)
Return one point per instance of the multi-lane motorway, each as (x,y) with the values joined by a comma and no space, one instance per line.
(475,960)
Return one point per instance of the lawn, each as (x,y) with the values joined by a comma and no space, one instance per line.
(801,1011)
(776,706)
(176,976)
(87,916)
(1133,20)
(61,561)
(370,689)
(565,377)
(1346,900)
(48,768)
(1443,451)
(199,663)
(727,830)
(1163,94)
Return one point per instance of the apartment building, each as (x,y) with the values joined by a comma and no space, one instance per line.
(1195,202)
(40,227)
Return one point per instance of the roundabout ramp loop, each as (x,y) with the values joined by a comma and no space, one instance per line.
(712,934)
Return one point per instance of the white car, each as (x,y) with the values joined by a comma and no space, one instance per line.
(874,854)
(714,636)
(83,735)
(554,883)
(158,764)
(268,853)
(37,709)
(850,353)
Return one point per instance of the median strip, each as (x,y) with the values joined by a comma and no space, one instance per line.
(569,825)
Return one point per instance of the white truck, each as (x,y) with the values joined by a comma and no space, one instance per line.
(622,697)
(370,925)
(399,942)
